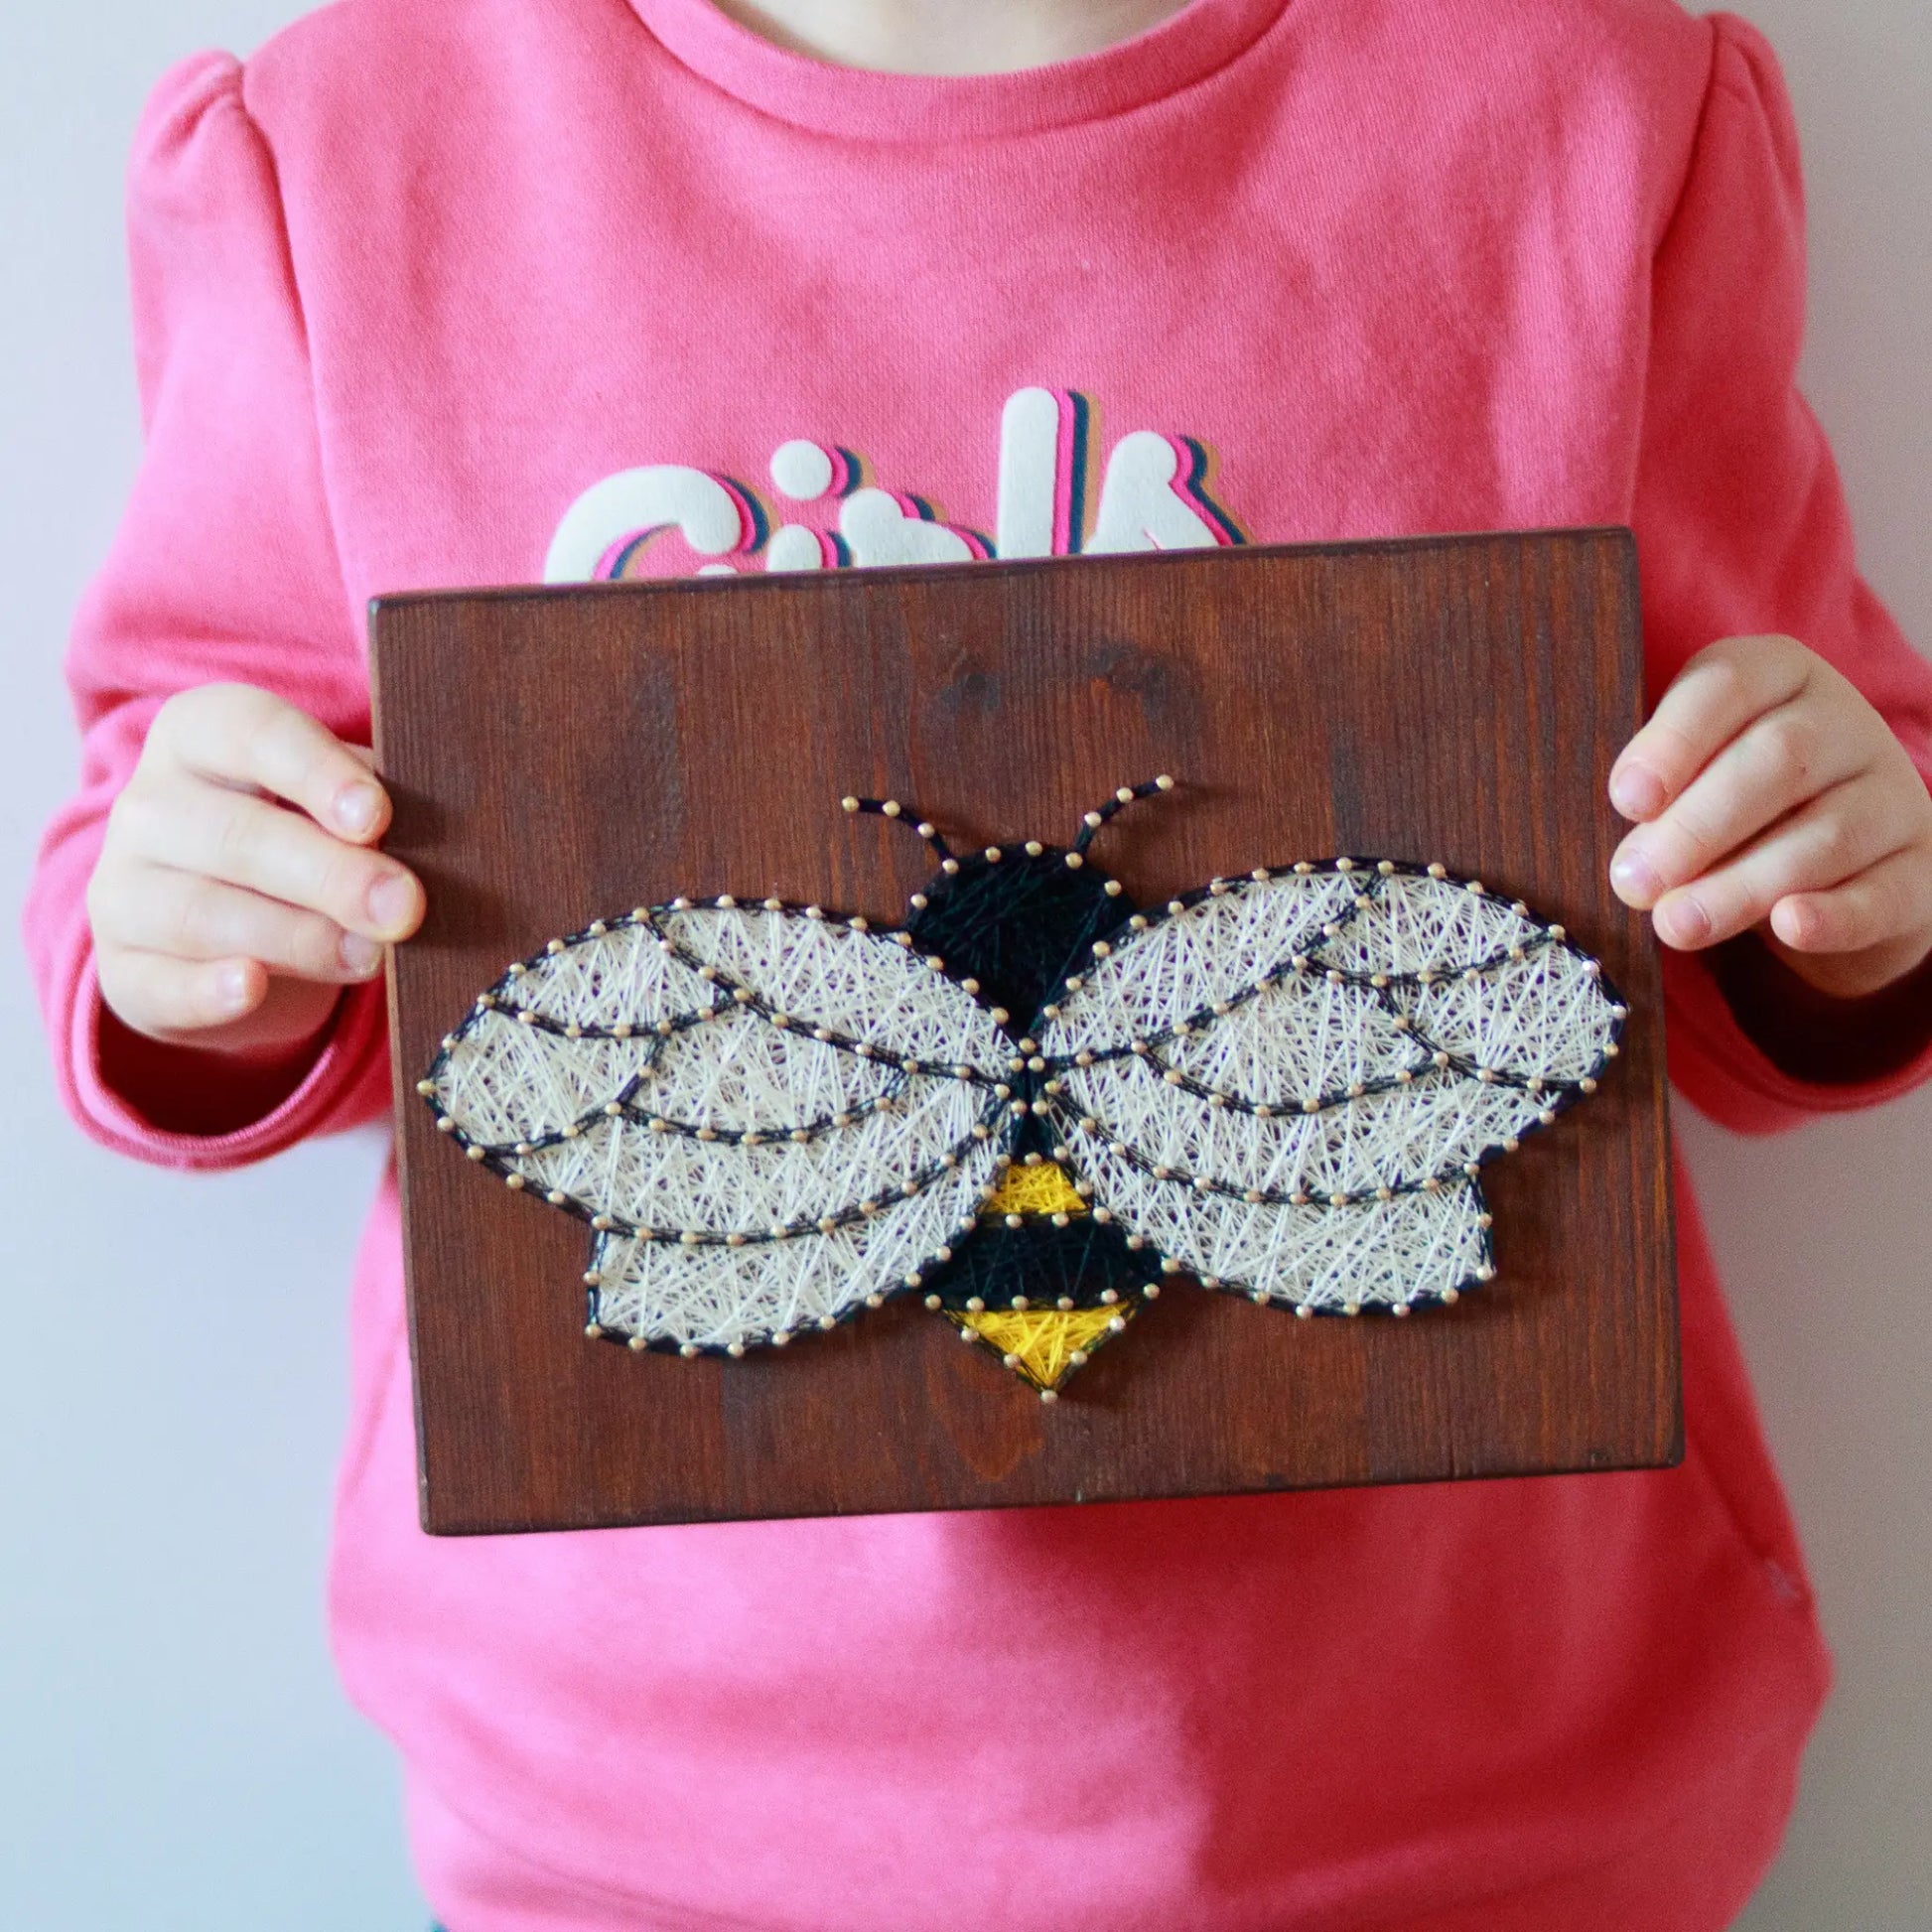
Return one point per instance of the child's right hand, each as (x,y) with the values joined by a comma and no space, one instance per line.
(223,918)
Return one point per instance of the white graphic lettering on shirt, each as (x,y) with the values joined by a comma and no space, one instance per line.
(671,519)
(613,519)
(1042,439)
(1142,504)
(881,528)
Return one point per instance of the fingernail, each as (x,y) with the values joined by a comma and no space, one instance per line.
(1794,923)
(359,956)
(1632,875)
(231,988)
(392,898)
(1636,791)
(356,805)
(1683,922)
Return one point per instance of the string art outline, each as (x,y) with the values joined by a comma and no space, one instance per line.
(1031,1103)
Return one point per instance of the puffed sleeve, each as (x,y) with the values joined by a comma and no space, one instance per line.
(1743,530)
(225,567)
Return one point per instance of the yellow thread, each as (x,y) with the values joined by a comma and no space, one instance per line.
(1041,1340)
(1042,1189)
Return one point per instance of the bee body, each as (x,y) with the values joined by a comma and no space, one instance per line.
(1040,1264)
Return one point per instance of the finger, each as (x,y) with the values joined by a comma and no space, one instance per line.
(1885,901)
(1775,765)
(236,735)
(190,825)
(156,909)
(1717,694)
(1825,842)
(160,996)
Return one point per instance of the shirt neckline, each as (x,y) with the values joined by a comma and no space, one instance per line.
(862,104)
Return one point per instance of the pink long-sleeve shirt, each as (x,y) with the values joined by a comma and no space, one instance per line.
(416,284)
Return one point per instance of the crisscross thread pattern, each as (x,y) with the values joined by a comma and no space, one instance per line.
(1285,1084)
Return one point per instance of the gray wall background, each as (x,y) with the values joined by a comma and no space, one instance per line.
(177,1752)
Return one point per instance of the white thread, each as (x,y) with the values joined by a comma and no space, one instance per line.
(1311,1142)
(1284,1086)
(760,1125)
(1211,951)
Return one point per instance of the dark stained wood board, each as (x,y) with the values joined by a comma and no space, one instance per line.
(558,756)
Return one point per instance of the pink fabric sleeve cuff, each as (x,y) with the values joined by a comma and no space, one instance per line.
(1727,1076)
(1723,1072)
(346,1087)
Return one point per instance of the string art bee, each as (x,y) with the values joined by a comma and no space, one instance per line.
(1033,1101)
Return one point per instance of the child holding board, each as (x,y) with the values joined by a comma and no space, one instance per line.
(463,292)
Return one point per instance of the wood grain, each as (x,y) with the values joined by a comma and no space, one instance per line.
(561,755)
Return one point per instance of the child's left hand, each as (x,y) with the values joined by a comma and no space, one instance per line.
(1769,793)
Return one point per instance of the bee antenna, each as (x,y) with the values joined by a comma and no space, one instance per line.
(1124,797)
(892,808)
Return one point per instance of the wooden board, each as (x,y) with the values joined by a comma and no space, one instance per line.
(557,756)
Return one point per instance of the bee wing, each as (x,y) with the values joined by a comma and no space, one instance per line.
(1309,1130)
(1205,951)
(1418,1247)
(1483,979)
(769,1119)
